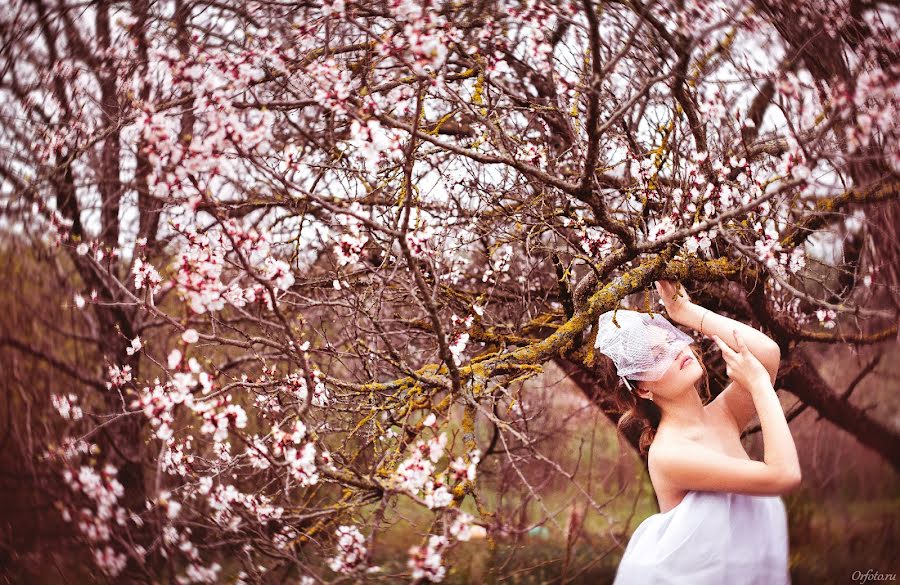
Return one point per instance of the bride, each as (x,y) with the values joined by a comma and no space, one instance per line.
(722,519)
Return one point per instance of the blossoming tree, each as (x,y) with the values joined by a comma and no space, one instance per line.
(297,237)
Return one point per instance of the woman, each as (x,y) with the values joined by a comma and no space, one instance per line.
(721,519)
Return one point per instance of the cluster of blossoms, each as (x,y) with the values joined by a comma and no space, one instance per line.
(461,527)
(787,304)
(219,415)
(795,165)
(827,318)
(295,385)
(289,389)
(827,17)
(767,246)
(290,162)
(416,473)
(425,561)
(211,81)
(459,339)
(177,457)
(421,240)
(118,376)
(198,269)
(702,242)
(422,41)
(660,228)
(224,498)
(146,276)
(351,550)
(195,572)
(135,346)
(70,449)
(332,84)
(462,471)
(103,490)
(501,260)
(67,406)
(350,244)
(100,489)
(299,456)
(278,272)
(770,252)
(871,106)
(109,561)
(374,143)
(596,242)
(699,197)
(533,154)
(160,401)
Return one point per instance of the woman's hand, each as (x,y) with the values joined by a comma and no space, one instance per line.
(742,366)
(674,298)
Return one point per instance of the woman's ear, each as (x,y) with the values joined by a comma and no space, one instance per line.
(641,391)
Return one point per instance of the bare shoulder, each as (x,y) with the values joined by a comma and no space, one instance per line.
(661,450)
(663,446)
(667,494)
(680,462)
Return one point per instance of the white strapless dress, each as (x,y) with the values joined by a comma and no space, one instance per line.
(710,538)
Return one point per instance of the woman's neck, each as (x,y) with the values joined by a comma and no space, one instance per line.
(683,411)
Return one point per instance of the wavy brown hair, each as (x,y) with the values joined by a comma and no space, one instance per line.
(640,417)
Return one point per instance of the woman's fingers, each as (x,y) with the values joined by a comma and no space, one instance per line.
(663,287)
(739,342)
(726,350)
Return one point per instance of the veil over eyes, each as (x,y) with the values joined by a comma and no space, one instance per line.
(641,345)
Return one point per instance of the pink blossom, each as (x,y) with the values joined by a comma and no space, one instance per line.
(437,495)
(190,336)
(111,562)
(296,384)
(460,470)
(279,272)
(827,318)
(134,347)
(146,276)
(461,527)
(67,406)
(425,562)
(118,376)
(660,229)
(302,463)
(351,550)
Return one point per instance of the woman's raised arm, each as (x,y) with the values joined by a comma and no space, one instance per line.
(684,312)
(689,465)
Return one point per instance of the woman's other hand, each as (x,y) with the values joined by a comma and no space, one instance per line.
(674,298)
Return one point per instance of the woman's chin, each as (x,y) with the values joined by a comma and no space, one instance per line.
(692,373)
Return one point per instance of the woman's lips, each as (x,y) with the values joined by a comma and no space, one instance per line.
(684,361)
